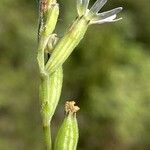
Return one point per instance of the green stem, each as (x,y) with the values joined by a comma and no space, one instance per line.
(47,135)
(45,111)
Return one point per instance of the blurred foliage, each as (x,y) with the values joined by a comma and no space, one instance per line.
(108,75)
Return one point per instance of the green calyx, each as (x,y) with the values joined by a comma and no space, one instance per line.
(66,45)
(50,90)
(49,11)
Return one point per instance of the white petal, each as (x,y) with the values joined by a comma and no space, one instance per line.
(107,14)
(82,6)
(97,6)
(107,20)
(110,18)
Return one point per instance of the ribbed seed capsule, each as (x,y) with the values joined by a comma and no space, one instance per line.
(67,137)
(50,91)
(55,86)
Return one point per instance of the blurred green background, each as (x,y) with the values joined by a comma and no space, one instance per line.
(108,75)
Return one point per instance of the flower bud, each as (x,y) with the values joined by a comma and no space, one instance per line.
(48,22)
(53,39)
(49,11)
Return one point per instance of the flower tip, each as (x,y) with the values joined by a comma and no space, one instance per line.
(119,19)
(120,8)
(115,11)
(115,20)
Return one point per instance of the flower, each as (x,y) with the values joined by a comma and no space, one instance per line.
(93,14)
(76,32)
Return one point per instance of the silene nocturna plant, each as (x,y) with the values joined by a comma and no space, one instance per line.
(52,53)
